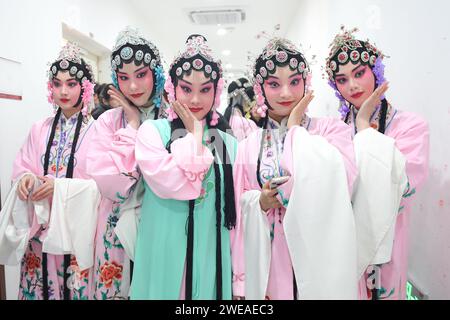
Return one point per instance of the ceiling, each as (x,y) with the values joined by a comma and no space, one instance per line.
(169,26)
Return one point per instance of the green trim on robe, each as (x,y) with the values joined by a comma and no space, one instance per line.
(162,239)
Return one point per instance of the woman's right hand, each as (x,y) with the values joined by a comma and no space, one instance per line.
(131,113)
(190,122)
(268,199)
(295,118)
(25,187)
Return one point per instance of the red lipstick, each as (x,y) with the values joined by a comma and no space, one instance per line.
(357,95)
(136,95)
(286,103)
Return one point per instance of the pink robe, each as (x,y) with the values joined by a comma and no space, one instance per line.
(112,164)
(241,126)
(30,159)
(281,280)
(411,136)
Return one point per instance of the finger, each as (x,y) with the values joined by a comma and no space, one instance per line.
(266,186)
(178,109)
(188,111)
(184,113)
(113,90)
(275,204)
(38,197)
(39,191)
(45,194)
(384,89)
(309,99)
(23,189)
(42,196)
(381,89)
(22,195)
(272,192)
(118,97)
(43,179)
(29,181)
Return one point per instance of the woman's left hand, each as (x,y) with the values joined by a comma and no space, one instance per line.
(368,107)
(297,113)
(45,190)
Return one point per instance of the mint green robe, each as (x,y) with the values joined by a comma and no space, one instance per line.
(162,239)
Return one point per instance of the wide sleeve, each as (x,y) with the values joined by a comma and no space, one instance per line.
(172,175)
(412,136)
(339,134)
(111,160)
(237,234)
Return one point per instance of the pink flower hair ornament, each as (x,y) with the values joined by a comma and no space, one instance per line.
(87,97)
(261,107)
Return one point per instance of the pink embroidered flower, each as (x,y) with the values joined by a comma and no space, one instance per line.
(32,263)
(259,96)
(214,118)
(110,272)
(261,108)
(50,92)
(171,114)
(170,89)
(86,98)
(308,82)
(220,85)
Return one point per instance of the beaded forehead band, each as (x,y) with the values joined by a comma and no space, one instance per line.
(69,59)
(345,47)
(279,52)
(132,46)
(197,56)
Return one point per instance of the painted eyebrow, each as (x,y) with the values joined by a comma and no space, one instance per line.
(201,84)
(291,76)
(340,74)
(186,81)
(134,71)
(140,69)
(66,80)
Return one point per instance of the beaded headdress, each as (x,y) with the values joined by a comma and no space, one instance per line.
(69,60)
(130,47)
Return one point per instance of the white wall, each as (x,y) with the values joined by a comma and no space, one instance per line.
(31,33)
(416,34)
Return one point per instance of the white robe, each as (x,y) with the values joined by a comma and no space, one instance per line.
(377,194)
(319,226)
(16,219)
(73,220)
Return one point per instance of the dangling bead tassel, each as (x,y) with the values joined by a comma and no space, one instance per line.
(261,110)
(171,114)
(343,109)
(214,118)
